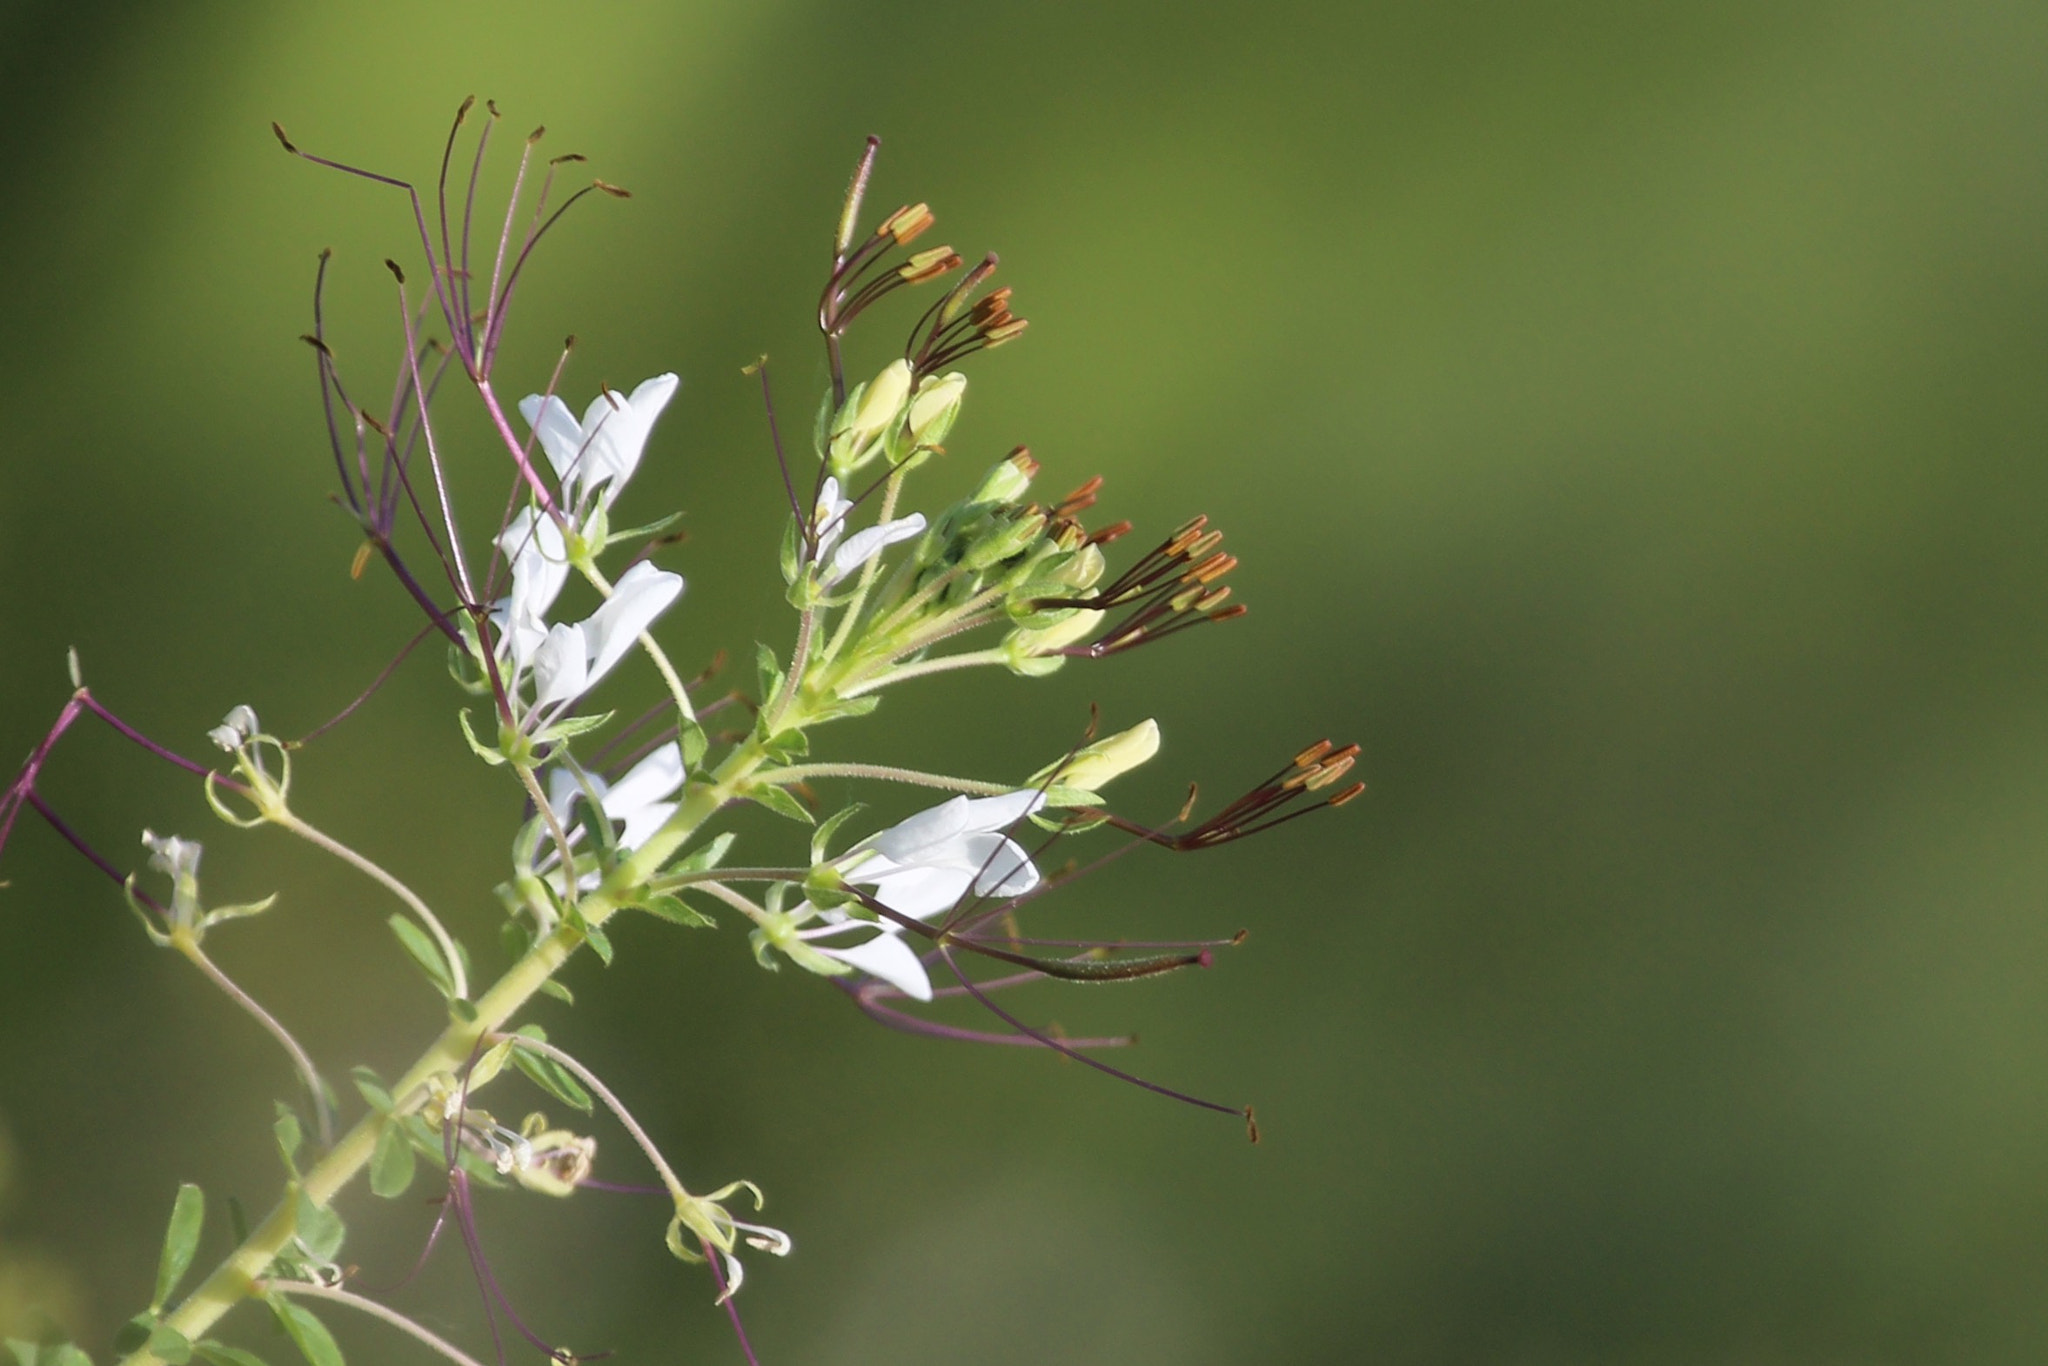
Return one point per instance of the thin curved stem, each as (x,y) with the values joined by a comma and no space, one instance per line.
(428,920)
(308,1074)
(611,1102)
(416,1330)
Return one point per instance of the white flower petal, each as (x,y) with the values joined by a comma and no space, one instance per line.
(828,518)
(540,561)
(561,667)
(1000,865)
(642,594)
(643,821)
(652,779)
(886,956)
(561,437)
(921,892)
(1000,813)
(865,544)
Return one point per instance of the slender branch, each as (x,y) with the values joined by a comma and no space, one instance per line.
(611,1102)
(797,773)
(308,1074)
(375,1310)
(427,918)
(923,667)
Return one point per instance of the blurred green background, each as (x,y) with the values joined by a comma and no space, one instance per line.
(1631,421)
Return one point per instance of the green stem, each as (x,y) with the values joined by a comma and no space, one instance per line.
(885,773)
(183,942)
(902,672)
(398,889)
(375,1310)
(238,1277)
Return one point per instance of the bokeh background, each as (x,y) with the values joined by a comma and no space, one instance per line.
(1631,421)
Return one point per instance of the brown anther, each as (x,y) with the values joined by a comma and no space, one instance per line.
(1188,807)
(363,416)
(1009,331)
(392,266)
(1313,753)
(1208,605)
(1204,545)
(1251,1124)
(468,104)
(565,158)
(928,265)
(1026,466)
(615,191)
(318,345)
(994,302)
(1213,568)
(1236,609)
(536,135)
(1330,772)
(1239,937)
(283,141)
(1081,499)
(492,105)
(1114,531)
(1346,795)
(361,560)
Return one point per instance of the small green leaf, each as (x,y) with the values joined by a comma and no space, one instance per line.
(782,804)
(220,1354)
(424,952)
(821,839)
(569,727)
(130,1336)
(694,742)
(64,1354)
(318,1229)
(549,1075)
(181,1240)
(391,1164)
(705,856)
(675,910)
(484,752)
(290,1137)
(770,672)
(25,1353)
(373,1090)
(311,1335)
(600,943)
(462,1010)
(558,991)
(786,745)
(170,1344)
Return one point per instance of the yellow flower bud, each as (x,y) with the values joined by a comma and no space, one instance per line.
(1105,760)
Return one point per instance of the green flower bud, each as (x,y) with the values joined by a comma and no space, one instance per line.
(935,407)
(870,410)
(1035,653)
(1104,760)
(1005,540)
(1006,483)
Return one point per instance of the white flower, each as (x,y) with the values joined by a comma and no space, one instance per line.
(639,798)
(828,520)
(567,661)
(540,563)
(599,454)
(921,867)
(172,854)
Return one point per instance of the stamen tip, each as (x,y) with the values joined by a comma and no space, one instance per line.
(615,191)
(392,266)
(1251,1125)
(283,141)
(71,666)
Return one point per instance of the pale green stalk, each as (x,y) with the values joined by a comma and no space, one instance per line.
(237,1278)
(373,1309)
(885,773)
(283,816)
(183,941)
(612,1103)
(995,654)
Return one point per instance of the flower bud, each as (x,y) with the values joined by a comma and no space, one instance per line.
(1035,653)
(1105,760)
(935,407)
(1084,570)
(1004,540)
(872,410)
(1007,482)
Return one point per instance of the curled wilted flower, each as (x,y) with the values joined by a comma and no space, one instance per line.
(235,729)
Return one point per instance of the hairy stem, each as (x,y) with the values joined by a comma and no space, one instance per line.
(323,1112)
(373,1309)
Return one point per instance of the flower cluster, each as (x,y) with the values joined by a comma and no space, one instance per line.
(905,918)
